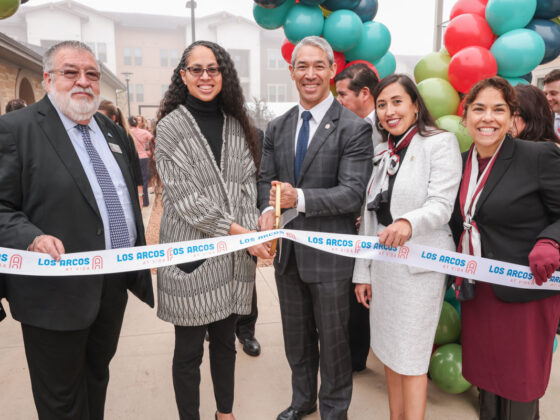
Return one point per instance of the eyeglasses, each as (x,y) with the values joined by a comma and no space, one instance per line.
(197,71)
(71,74)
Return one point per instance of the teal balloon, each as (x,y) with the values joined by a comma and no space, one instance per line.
(373,45)
(343,30)
(340,4)
(272,18)
(446,369)
(453,124)
(440,97)
(506,15)
(514,81)
(449,326)
(434,64)
(555,346)
(449,293)
(303,21)
(386,65)
(518,52)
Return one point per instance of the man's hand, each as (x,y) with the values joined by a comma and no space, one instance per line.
(261,251)
(47,245)
(363,294)
(266,221)
(396,234)
(288,198)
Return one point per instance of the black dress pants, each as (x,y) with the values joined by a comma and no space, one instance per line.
(359,332)
(70,369)
(494,407)
(189,349)
(245,327)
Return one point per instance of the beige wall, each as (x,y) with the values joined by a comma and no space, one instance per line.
(11,78)
(151,74)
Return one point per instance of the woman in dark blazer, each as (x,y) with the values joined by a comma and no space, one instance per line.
(508,333)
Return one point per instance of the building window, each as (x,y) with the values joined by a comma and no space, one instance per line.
(139,93)
(127,56)
(91,46)
(540,83)
(173,58)
(275,60)
(241,60)
(137,56)
(164,62)
(102,52)
(276,93)
(131,93)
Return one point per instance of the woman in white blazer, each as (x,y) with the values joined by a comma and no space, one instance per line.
(410,197)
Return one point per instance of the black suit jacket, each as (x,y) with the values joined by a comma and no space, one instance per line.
(44,190)
(520,204)
(333,177)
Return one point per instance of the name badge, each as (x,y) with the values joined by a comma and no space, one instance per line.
(115,148)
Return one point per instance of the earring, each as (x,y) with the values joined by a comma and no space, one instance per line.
(416,115)
(379,126)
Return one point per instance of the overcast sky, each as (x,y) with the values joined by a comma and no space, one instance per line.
(410,21)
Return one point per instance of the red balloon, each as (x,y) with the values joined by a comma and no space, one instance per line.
(340,61)
(371,66)
(466,31)
(471,65)
(477,7)
(287,50)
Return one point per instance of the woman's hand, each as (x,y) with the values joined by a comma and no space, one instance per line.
(396,234)
(363,294)
(261,251)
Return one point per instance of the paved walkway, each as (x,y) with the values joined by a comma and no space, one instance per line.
(141,386)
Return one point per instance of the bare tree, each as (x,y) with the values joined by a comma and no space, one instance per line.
(260,113)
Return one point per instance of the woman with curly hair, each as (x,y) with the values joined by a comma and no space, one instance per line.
(207,157)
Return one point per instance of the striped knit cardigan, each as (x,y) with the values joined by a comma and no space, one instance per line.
(201,201)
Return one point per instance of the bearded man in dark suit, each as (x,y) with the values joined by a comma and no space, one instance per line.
(67,186)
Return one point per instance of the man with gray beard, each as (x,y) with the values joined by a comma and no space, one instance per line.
(66,186)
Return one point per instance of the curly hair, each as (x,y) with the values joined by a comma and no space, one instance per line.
(533,108)
(230,99)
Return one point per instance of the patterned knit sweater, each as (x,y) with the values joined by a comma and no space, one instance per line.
(201,200)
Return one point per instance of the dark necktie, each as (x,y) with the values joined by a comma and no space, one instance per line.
(302,140)
(117,222)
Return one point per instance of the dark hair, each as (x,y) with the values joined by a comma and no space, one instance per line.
(132,121)
(498,83)
(360,76)
(108,108)
(535,111)
(230,99)
(425,122)
(15,104)
(553,76)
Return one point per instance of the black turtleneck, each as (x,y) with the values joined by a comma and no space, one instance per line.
(210,119)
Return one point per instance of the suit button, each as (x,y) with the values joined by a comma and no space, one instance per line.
(99,232)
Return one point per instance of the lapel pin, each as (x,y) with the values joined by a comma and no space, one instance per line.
(327,126)
(109,134)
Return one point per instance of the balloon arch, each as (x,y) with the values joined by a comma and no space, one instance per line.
(484,38)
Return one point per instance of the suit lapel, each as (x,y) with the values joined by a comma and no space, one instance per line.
(289,142)
(324,129)
(54,130)
(503,160)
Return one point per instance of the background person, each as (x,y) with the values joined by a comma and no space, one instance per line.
(533,119)
(206,155)
(507,333)
(417,169)
(320,153)
(67,187)
(143,140)
(552,92)
(15,104)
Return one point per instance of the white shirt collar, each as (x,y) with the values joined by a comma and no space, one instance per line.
(371,117)
(319,110)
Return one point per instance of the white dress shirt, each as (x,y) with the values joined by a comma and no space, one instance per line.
(557,125)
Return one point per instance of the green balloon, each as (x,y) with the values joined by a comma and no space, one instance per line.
(303,21)
(8,8)
(444,51)
(449,326)
(432,65)
(446,369)
(440,97)
(453,124)
(272,18)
